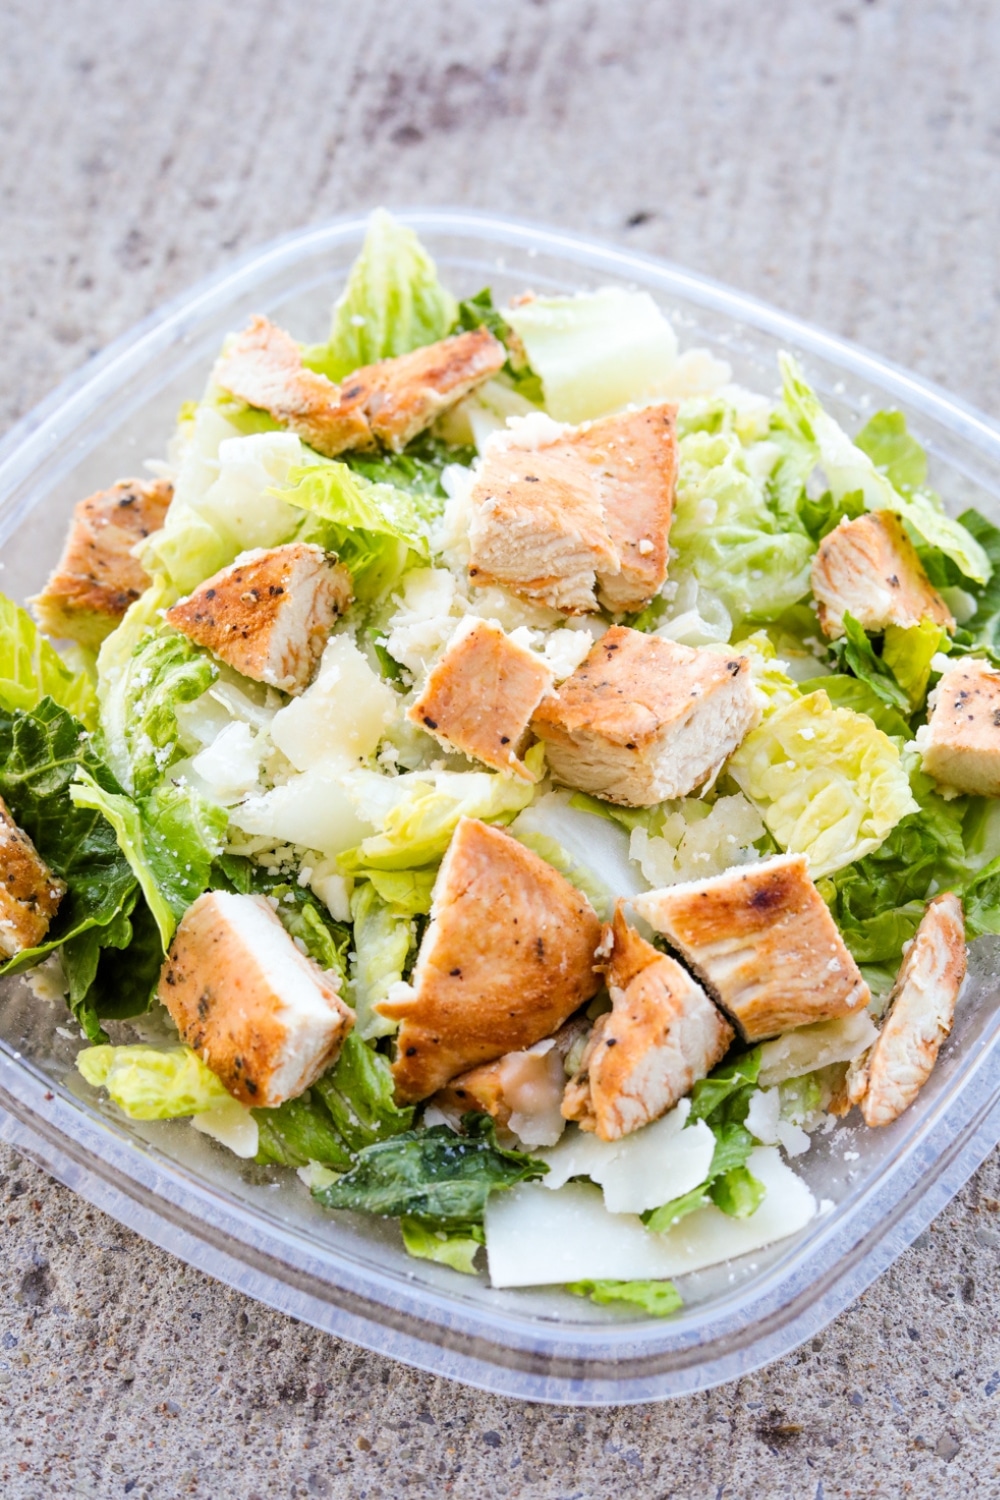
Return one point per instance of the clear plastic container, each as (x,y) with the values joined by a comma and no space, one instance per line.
(256,1228)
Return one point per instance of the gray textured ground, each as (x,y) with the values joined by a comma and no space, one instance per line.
(839,160)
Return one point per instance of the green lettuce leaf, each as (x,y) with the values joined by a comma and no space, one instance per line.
(381,943)
(448,1246)
(31,669)
(730,530)
(169,839)
(856,651)
(432,1174)
(393,302)
(113,971)
(737,1192)
(40,753)
(860,698)
(983,629)
(153,1083)
(908,651)
(712,1094)
(849,470)
(418,829)
(417,469)
(408,892)
(164,670)
(826,781)
(894,450)
(721,1100)
(480,312)
(376,530)
(349,1108)
(659,1298)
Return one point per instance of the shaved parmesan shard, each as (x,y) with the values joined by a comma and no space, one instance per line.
(539,1238)
(816,1046)
(651,1166)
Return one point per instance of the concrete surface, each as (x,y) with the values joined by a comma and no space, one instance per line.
(840,160)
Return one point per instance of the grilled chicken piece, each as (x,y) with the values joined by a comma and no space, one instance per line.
(522,1091)
(507,958)
(97,578)
(662,1035)
(268,614)
(961,741)
(479,697)
(404,395)
(29,892)
(869,568)
(764,944)
(265,1018)
(389,402)
(887,1079)
(559,515)
(644,719)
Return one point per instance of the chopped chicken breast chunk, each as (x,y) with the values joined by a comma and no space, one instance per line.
(662,1035)
(269,613)
(961,740)
(97,578)
(480,695)
(761,938)
(522,1091)
(644,719)
(389,402)
(579,511)
(887,1079)
(265,1018)
(869,568)
(508,956)
(29,892)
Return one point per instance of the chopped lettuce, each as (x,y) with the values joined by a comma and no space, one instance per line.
(894,450)
(479,312)
(31,669)
(112,971)
(41,751)
(908,652)
(381,945)
(851,692)
(349,1108)
(376,530)
(856,651)
(447,1245)
(169,839)
(432,1174)
(393,303)
(153,1083)
(140,727)
(658,1298)
(596,352)
(850,471)
(826,781)
(737,1192)
(730,533)
(417,829)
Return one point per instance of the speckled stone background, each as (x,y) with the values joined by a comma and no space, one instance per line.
(838,159)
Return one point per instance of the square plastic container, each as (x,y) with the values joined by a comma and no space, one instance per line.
(256,1228)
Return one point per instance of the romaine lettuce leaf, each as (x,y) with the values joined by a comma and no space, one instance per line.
(737,1192)
(153,1083)
(408,892)
(40,753)
(827,783)
(112,971)
(479,312)
(417,469)
(447,1245)
(658,1298)
(894,450)
(164,671)
(908,651)
(31,669)
(432,1174)
(597,351)
(376,530)
(393,302)
(169,839)
(349,1108)
(381,944)
(730,532)
(983,629)
(852,693)
(856,651)
(849,470)
(417,830)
